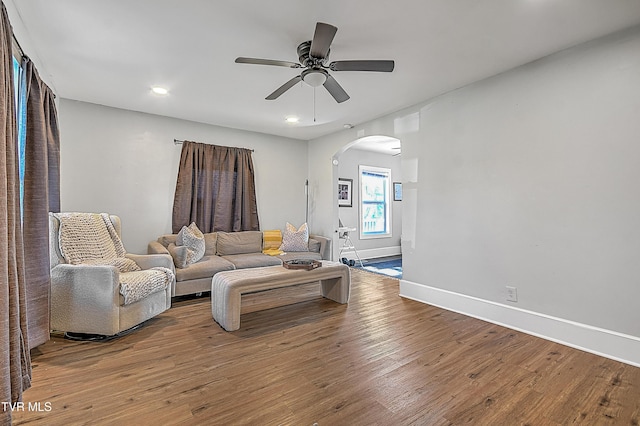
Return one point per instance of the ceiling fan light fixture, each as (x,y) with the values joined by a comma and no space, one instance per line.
(314,78)
(292,119)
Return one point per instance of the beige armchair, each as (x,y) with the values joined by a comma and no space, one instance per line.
(97,289)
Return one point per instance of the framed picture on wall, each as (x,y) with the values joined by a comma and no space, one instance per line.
(345,192)
(397,191)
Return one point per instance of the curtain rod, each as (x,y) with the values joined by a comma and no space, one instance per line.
(17,44)
(24,57)
(179,142)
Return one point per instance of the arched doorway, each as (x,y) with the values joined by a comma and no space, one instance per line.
(378,236)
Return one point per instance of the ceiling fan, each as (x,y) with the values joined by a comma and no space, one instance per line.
(313,56)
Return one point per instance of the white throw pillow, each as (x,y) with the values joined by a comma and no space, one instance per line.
(295,239)
(192,238)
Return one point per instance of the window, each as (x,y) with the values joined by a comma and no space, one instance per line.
(21,119)
(375,214)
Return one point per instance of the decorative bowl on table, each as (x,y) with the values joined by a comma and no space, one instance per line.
(304,264)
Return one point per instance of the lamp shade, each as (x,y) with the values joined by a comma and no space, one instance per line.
(314,78)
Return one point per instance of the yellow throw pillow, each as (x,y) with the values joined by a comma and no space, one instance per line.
(271,241)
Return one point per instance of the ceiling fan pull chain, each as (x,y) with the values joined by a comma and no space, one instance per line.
(314,104)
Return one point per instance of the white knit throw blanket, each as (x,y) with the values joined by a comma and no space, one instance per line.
(91,239)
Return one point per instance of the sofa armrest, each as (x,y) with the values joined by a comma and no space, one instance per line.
(148,261)
(85,297)
(154,247)
(325,246)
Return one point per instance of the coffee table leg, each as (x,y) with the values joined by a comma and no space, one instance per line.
(336,289)
(226,309)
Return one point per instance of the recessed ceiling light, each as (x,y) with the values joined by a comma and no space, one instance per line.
(292,119)
(159,90)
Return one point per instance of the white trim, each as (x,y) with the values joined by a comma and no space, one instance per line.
(373,253)
(607,343)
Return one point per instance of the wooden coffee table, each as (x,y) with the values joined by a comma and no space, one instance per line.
(228,287)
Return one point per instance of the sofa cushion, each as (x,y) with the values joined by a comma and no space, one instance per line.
(210,240)
(230,243)
(314,245)
(167,239)
(295,239)
(253,260)
(207,267)
(192,238)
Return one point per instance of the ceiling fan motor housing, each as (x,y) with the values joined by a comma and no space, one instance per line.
(305,57)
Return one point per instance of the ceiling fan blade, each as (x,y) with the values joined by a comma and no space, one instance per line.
(322,39)
(335,89)
(258,61)
(379,66)
(280,90)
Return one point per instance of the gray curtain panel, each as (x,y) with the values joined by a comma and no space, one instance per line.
(215,189)
(15,362)
(41,195)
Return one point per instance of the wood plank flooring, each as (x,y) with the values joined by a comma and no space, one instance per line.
(299,359)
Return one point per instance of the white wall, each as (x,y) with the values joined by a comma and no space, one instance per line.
(348,165)
(528,179)
(126,163)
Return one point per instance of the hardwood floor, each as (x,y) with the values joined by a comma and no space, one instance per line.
(299,359)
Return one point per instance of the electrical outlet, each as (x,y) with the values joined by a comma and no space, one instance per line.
(512,294)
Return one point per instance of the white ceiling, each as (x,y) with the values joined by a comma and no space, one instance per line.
(112,52)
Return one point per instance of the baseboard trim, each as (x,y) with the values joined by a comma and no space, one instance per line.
(373,253)
(607,343)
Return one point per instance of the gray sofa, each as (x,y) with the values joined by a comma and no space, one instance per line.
(225,251)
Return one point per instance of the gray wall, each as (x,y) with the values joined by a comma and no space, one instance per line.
(125,163)
(528,179)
